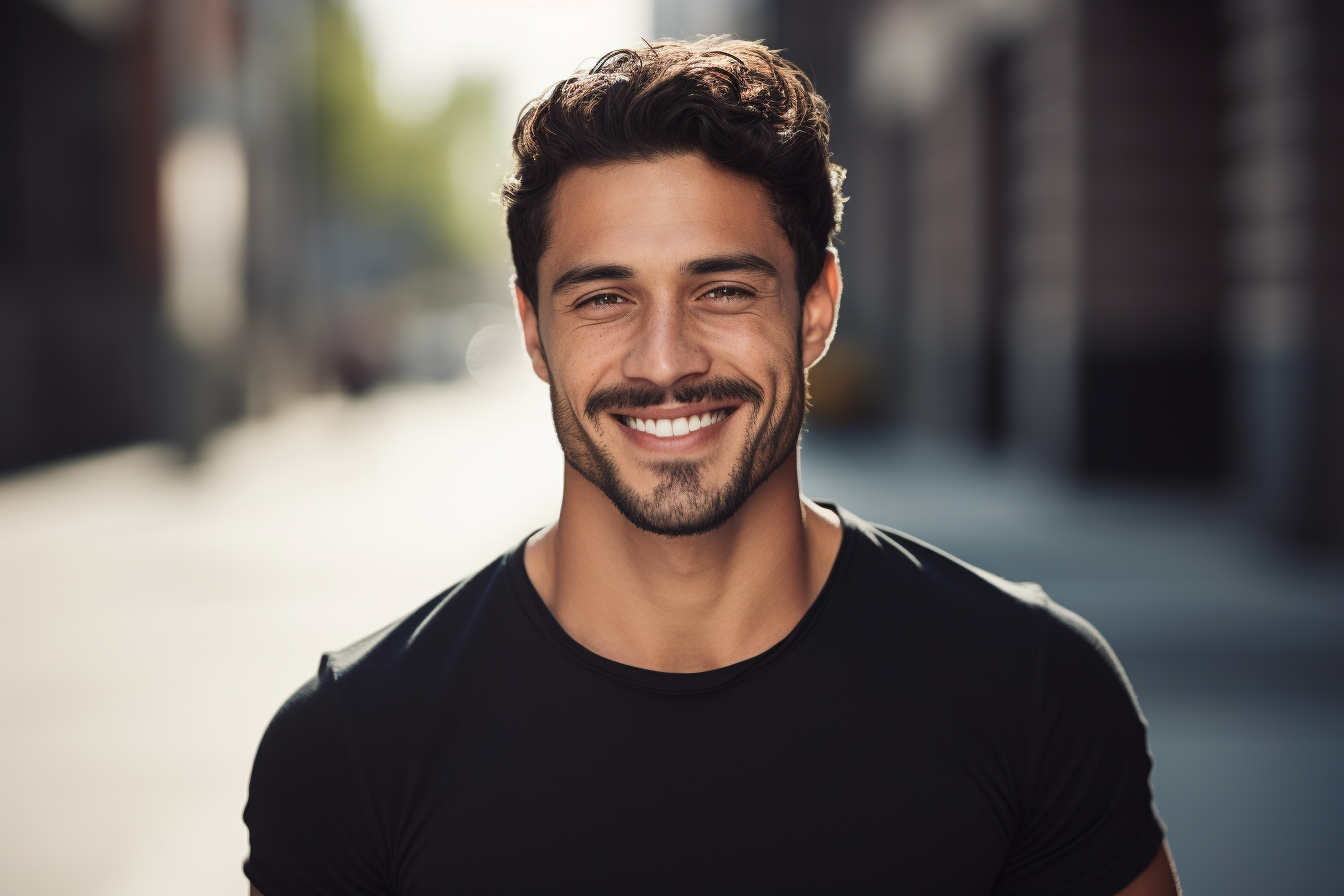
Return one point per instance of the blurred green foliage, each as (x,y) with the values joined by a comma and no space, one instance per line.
(439,172)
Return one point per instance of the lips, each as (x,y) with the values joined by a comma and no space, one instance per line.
(669,427)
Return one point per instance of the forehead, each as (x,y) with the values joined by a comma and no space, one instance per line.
(653,215)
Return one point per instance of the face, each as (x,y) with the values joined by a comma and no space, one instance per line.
(672,337)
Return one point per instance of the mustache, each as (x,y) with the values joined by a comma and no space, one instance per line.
(630,396)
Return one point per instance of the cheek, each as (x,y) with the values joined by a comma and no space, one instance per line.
(581,360)
(755,345)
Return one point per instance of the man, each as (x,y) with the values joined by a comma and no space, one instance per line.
(697,679)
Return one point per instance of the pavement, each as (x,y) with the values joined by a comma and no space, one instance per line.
(153,616)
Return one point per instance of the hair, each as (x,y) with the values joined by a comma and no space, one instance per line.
(738,103)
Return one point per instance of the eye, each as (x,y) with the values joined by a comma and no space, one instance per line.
(726,294)
(604,300)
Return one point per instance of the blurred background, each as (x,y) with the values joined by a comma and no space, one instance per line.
(261,389)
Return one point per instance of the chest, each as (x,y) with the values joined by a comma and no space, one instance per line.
(801,791)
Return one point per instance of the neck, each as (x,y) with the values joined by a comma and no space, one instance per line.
(689,603)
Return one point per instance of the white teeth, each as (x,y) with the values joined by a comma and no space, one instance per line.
(667,428)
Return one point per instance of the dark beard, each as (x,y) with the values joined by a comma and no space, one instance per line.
(680,503)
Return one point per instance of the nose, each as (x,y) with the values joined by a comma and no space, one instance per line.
(666,348)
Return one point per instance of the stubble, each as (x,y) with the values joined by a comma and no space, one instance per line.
(682,503)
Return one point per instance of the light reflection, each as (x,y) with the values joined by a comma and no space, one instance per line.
(204,192)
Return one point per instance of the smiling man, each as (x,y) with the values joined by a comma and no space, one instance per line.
(698,680)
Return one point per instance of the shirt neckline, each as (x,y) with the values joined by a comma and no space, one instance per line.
(679,682)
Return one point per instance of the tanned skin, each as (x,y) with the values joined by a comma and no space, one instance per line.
(626,240)
(694,602)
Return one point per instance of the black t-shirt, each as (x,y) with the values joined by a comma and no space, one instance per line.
(926,728)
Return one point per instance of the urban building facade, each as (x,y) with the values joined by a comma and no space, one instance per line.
(154,270)
(1107,233)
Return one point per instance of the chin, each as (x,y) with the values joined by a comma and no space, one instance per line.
(681,497)
(681,514)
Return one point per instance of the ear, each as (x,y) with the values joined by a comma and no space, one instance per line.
(821,310)
(527,317)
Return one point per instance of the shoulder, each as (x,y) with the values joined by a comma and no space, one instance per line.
(928,580)
(985,623)
(318,813)
(324,758)
(379,682)
(433,633)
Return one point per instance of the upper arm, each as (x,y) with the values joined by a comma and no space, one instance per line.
(1158,879)
(1087,823)
(311,826)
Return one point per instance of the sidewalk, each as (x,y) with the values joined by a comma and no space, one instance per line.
(153,618)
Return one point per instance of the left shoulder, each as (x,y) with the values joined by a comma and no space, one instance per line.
(887,556)
(1049,691)
(964,608)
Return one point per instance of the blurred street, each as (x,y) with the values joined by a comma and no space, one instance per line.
(155,616)
(261,391)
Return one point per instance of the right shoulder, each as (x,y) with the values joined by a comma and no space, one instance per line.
(379,682)
(316,813)
(430,635)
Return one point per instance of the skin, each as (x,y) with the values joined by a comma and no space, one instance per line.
(683,603)
(697,602)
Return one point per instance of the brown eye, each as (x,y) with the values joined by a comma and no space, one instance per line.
(605,300)
(726,293)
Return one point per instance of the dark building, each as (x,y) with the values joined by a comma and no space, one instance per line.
(1286,260)
(80,253)
(151,249)
(1109,233)
(1117,235)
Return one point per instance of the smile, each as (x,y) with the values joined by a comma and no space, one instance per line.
(666,428)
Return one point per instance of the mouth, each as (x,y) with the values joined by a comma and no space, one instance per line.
(672,427)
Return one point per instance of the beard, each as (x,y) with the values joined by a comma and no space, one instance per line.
(682,503)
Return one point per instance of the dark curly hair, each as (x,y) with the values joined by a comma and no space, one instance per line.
(737,102)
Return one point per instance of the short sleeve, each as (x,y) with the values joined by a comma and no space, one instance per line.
(1089,825)
(309,816)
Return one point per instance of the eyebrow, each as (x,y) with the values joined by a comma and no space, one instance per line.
(723,264)
(590,272)
(716,264)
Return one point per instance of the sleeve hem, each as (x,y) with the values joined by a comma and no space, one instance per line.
(1119,875)
(259,881)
